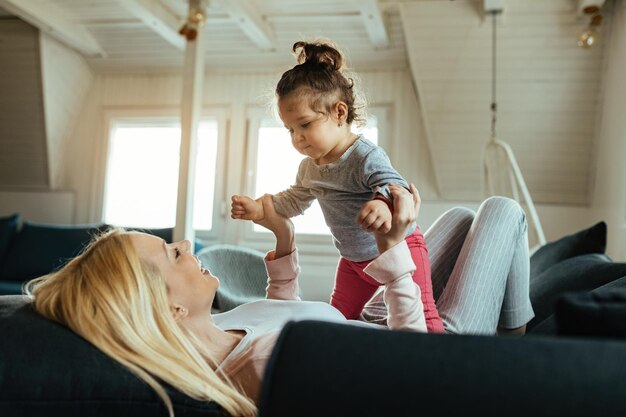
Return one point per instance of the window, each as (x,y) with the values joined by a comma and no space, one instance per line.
(142,173)
(276,165)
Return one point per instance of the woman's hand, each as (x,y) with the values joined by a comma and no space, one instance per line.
(405,209)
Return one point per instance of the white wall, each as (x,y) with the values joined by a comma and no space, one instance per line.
(66,80)
(47,207)
(610,184)
(547,93)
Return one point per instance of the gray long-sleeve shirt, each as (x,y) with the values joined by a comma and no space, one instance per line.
(342,187)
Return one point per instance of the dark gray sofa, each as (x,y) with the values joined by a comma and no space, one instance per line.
(323,369)
(29,250)
(47,370)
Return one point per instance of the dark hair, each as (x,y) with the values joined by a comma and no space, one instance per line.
(320,75)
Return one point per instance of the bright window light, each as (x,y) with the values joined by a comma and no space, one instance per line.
(142,174)
(277,167)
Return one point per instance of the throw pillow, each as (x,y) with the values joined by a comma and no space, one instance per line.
(581,273)
(591,240)
(599,313)
(8,228)
(40,249)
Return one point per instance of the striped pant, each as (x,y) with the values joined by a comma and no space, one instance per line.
(479,267)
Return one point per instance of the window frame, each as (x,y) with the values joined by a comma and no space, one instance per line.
(135,116)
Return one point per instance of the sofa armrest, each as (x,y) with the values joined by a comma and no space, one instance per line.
(326,369)
(47,370)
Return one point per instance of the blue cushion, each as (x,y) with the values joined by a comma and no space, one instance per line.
(40,249)
(241,272)
(590,240)
(8,228)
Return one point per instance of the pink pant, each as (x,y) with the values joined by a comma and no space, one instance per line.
(354,288)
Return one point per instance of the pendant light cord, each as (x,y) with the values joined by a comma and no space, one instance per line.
(494,107)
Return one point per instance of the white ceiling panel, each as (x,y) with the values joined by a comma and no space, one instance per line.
(132,46)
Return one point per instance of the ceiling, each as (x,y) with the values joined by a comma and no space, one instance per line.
(241,35)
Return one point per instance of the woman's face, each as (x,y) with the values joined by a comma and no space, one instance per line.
(189,285)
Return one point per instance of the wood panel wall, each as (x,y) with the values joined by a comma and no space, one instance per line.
(548,93)
(23,150)
(67,80)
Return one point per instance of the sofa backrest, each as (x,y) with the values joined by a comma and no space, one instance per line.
(40,249)
(33,250)
(328,369)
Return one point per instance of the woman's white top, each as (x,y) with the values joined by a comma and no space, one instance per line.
(262,320)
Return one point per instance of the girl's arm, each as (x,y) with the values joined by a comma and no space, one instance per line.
(378,174)
(296,199)
(394,267)
(282,263)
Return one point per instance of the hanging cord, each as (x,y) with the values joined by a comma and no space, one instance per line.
(494,106)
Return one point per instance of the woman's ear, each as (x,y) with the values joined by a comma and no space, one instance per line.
(179,312)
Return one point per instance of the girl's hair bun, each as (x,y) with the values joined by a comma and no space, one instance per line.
(317,54)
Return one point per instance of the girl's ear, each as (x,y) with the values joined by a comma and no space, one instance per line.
(340,111)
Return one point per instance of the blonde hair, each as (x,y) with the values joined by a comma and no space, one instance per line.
(119,303)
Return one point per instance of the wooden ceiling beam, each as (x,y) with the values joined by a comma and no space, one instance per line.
(582,4)
(374,23)
(52,20)
(251,22)
(158,18)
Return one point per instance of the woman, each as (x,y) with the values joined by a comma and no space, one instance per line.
(147,304)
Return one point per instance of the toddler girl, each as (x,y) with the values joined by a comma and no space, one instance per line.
(345,172)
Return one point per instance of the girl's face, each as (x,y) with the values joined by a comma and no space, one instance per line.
(313,134)
(189,285)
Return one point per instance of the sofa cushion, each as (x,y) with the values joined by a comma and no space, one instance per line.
(599,313)
(8,228)
(328,369)
(581,273)
(47,370)
(39,249)
(590,240)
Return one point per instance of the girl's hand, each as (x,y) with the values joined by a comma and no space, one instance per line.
(405,210)
(271,220)
(375,216)
(244,208)
(282,227)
